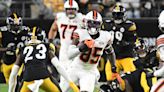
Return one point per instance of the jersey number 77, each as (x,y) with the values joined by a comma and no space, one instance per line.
(65,27)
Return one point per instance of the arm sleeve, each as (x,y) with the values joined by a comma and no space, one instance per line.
(13,78)
(160,72)
(73,51)
(60,69)
(109,50)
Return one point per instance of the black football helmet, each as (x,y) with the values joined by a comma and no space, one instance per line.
(141,48)
(118,13)
(37,34)
(14,23)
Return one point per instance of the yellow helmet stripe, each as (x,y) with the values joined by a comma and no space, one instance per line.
(16,18)
(33,31)
(117,7)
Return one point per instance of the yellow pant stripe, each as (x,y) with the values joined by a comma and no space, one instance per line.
(144,83)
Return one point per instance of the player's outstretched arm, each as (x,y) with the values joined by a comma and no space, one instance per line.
(53,32)
(73,50)
(61,70)
(55,62)
(13,75)
(111,56)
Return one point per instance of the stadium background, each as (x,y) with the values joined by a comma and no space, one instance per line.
(41,13)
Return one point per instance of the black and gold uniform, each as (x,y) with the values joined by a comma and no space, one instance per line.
(35,58)
(139,82)
(124,36)
(136,81)
(147,61)
(10,41)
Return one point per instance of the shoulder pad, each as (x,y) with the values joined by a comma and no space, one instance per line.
(60,15)
(132,27)
(25,28)
(80,14)
(128,21)
(3,28)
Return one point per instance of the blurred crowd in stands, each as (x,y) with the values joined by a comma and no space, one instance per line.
(47,9)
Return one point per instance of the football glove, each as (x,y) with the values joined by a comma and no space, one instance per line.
(89,43)
(117,81)
(74,87)
(85,45)
(114,85)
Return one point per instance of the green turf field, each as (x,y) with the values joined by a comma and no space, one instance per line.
(4,88)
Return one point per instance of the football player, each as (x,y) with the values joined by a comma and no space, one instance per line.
(138,81)
(123,33)
(146,56)
(35,56)
(87,48)
(66,23)
(159,86)
(12,36)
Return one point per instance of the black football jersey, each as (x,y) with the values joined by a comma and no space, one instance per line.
(9,39)
(150,61)
(35,58)
(124,37)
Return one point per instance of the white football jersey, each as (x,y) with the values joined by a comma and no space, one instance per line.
(91,58)
(66,27)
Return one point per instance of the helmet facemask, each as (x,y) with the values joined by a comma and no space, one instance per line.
(141,52)
(118,17)
(141,49)
(93,27)
(71,12)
